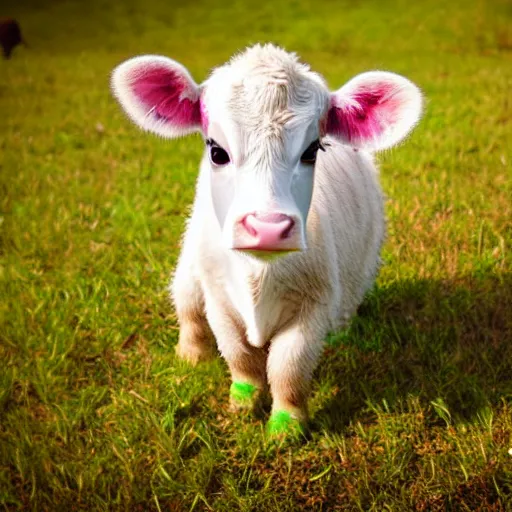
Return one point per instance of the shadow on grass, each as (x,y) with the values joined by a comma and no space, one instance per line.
(435,340)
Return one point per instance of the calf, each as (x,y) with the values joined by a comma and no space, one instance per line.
(287,223)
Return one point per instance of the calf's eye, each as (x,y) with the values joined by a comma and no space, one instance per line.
(218,156)
(309,156)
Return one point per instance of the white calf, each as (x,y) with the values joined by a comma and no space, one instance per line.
(288,221)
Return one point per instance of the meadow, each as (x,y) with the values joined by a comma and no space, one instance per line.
(411,406)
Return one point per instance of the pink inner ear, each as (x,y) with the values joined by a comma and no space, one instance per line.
(159,89)
(365,115)
(204,116)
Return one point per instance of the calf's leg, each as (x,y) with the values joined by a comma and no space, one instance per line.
(246,363)
(196,341)
(292,358)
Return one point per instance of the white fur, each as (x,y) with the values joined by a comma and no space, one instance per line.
(269,317)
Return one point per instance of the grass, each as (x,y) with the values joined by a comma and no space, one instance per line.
(412,407)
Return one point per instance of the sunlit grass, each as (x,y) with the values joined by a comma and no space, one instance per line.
(411,409)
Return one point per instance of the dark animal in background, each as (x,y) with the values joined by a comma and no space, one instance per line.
(10,35)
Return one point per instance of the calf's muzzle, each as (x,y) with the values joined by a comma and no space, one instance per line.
(271,231)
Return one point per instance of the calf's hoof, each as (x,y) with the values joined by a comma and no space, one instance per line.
(242,395)
(282,425)
(193,354)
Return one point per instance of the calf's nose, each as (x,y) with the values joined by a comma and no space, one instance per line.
(267,231)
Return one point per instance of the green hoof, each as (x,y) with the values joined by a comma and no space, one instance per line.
(283,423)
(242,393)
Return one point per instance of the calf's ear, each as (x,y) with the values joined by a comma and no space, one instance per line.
(374,110)
(158,94)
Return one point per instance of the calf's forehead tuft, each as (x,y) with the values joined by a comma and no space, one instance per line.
(267,60)
(267,82)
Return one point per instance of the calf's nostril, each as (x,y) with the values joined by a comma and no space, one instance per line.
(247,224)
(287,230)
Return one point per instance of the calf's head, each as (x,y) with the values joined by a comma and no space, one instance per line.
(263,117)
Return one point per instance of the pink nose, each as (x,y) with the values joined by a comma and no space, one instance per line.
(267,231)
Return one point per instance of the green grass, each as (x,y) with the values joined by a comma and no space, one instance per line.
(412,408)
